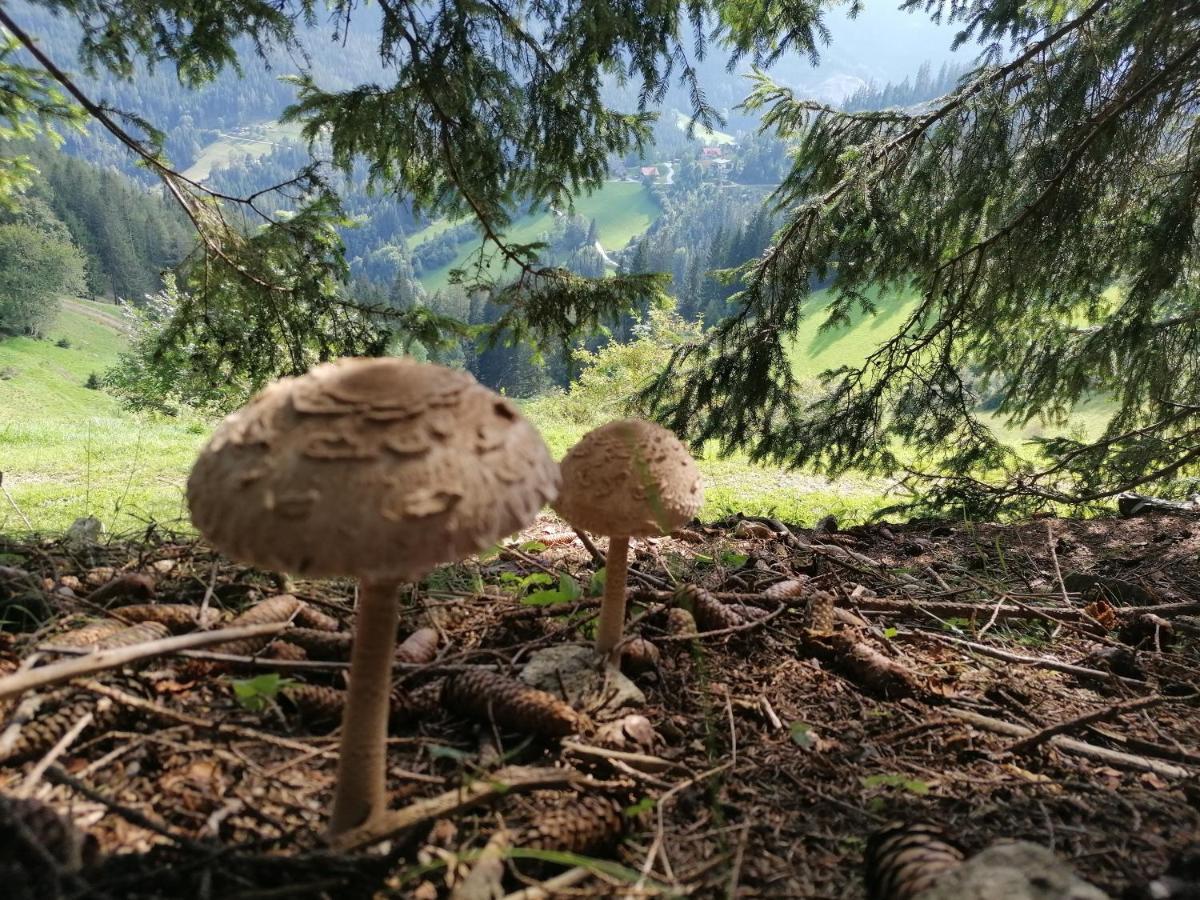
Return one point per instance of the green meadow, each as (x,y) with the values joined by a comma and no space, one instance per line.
(621,209)
(67,450)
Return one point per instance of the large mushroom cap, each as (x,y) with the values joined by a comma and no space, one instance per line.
(631,478)
(378,468)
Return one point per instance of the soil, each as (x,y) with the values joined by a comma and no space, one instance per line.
(772,751)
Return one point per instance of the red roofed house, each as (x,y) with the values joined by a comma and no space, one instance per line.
(711,153)
(649,171)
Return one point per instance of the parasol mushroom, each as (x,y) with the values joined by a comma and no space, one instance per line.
(628,478)
(379,469)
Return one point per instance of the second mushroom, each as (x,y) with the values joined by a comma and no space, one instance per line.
(626,479)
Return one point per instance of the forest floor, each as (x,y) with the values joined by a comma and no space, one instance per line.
(767,752)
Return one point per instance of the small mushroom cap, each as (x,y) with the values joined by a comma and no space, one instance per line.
(377,468)
(631,478)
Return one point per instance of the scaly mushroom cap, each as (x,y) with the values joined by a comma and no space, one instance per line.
(378,468)
(630,478)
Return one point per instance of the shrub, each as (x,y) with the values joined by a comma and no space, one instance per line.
(611,377)
(63,342)
(93,382)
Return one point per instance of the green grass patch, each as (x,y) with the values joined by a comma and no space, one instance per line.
(68,451)
(250,141)
(704,135)
(622,210)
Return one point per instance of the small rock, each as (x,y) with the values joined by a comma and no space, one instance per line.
(579,672)
(1015,871)
(84,532)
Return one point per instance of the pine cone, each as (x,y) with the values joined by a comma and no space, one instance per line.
(680,622)
(284,650)
(178,617)
(274,609)
(818,616)
(88,635)
(481,694)
(44,731)
(785,590)
(133,634)
(315,703)
(311,617)
(581,824)
(418,648)
(321,644)
(37,845)
(122,588)
(409,706)
(710,613)
(639,655)
(904,860)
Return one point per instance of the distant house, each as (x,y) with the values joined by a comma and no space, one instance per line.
(649,171)
(711,153)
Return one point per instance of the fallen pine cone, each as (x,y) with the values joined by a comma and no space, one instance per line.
(43,731)
(857,660)
(88,635)
(38,846)
(321,644)
(123,588)
(315,704)
(130,635)
(508,703)
(904,860)
(785,590)
(280,608)
(681,623)
(284,650)
(639,655)
(407,707)
(309,616)
(178,617)
(819,614)
(710,613)
(581,824)
(419,648)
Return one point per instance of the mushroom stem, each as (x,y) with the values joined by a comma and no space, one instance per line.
(362,763)
(612,608)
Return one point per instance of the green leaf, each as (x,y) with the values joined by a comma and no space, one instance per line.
(802,735)
(255,693)
(532,547)
(568,586)
(890,633)
(441,751)
(596,585)
(912,785)
(733,560)
(644,805)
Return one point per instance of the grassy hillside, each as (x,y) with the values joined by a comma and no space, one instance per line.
(67,451)
(813,351)
(622,210)
(250,141)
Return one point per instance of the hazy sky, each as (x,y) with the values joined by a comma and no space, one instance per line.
(882,44)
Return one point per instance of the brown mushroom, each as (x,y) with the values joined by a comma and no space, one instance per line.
(626,479)
(380,469)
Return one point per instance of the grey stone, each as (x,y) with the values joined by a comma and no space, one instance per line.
(84,532)
(1015,870)
(589,683)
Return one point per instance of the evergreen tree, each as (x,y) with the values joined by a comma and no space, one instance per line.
(1044,212)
